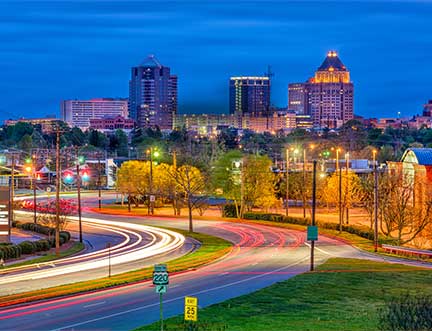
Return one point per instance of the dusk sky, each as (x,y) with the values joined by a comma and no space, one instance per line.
(55,50)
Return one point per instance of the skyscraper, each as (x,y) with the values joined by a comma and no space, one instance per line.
(328,95)
(249,95)
(297,98)
(152,94)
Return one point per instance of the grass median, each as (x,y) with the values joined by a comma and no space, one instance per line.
(343,294)
(211,249)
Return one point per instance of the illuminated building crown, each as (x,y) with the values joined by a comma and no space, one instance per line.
(332,70)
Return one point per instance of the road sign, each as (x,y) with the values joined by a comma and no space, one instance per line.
(312,232)
(191,309)
(161,288)
(160,275)
(152,198)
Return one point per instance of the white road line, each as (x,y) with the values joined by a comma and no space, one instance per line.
(95,304)
(318,249)
(182,297)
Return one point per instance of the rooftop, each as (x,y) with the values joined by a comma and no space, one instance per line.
(332,63)
(423,155)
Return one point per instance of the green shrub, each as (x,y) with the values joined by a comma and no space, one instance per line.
(407,312)
(361,231)
(229,210)
(27,247)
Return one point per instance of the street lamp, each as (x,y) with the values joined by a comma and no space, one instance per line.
(347,186)
(78,184)
(374,153)
(287,180)
(237,166)
(34,188)
(152,153)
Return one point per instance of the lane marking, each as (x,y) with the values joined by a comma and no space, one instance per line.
(318,249)
(182,297)
(95,304)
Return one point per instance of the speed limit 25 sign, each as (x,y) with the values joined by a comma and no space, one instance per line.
(191,309)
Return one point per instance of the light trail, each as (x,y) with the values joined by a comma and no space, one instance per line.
(162,241)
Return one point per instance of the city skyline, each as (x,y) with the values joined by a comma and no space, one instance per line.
(384,44)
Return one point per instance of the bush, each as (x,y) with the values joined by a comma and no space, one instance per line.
(407,312)
(229,210)
(27,247)
(357,230)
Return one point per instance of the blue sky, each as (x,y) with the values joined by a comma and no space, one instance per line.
(56,50)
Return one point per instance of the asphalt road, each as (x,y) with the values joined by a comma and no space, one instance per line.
(262,256)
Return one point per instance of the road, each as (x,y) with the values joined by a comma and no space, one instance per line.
(134,246)
(262,255)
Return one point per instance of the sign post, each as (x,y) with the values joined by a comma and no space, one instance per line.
(161,281)
(191,310)
(5,222)
(312,230)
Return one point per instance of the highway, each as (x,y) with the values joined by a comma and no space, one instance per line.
(134,246)
(261,256)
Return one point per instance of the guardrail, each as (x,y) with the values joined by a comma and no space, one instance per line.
(413,252)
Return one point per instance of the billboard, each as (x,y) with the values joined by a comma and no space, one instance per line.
(4,213)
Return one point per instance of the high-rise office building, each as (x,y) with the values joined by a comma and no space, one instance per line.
(297,97)
(329,95)
(249,95)
(79,112)
(152,94)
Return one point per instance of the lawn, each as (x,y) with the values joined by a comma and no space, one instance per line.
(343,294)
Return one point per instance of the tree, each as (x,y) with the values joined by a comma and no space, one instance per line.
(351,190)
(191,184)
(226,178)
(400,217)
(132,179)
(26,143)
(259,183)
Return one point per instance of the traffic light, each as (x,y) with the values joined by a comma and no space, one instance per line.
(68,177)
(85,175)
(81,159)
(28,169)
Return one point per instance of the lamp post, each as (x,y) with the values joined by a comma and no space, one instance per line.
(238,167)
(151,196)
(304,183)
(34,188)
(313,212)
(375,201)
(347,195)
(78,183)
(287,182)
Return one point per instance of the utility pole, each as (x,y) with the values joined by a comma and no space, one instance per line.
(99,184)
(375,202)
(58,178)
(78,183)
(12,194)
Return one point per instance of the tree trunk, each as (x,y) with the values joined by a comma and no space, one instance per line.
(190,214)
